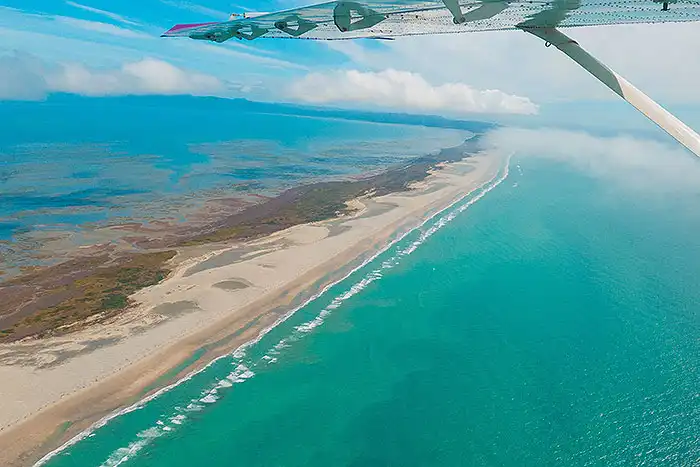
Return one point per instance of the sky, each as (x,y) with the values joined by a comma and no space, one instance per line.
(105,48)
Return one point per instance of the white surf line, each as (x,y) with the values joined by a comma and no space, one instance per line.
(244,369)
(240,352)
(376,274)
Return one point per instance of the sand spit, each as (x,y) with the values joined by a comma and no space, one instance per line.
(219,297)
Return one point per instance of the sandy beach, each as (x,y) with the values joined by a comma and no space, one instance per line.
(218,297)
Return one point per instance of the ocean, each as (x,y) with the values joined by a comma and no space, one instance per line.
(549,318)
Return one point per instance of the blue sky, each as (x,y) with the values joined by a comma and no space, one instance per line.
(102,34)
(99,47)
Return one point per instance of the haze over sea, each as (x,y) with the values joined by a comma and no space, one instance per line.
(549,318)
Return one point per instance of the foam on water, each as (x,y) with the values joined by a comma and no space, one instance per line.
(243,369)
(122,455)
(225,384)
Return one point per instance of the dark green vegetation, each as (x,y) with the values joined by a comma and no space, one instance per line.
(61,298)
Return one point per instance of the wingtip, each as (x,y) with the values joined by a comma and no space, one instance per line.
(182,29)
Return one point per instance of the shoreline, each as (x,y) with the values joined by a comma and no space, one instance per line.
(263,303)
(96,283)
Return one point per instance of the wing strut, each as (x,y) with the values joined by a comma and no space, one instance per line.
(657,114)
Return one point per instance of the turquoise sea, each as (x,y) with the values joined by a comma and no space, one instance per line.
(549,319)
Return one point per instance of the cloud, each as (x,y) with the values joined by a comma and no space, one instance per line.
(108,14)
(24,77)
(203,10)
(239,52)
(23,21)
(21,78)
(100,27)
(405,91)
(517,63)
(647,166)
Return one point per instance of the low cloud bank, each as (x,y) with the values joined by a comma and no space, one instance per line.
(645,165)
(403,90)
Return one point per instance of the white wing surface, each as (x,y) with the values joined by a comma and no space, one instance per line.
(381,19)
(387,19)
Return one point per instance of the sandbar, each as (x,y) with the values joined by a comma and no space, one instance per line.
(53,388)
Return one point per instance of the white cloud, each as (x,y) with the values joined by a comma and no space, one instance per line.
(405,91)
(239,51)
(645,165)
(203,10)
(24,21)
(654,57)
(106,13)
(97,26)
(21,78)
(25,77)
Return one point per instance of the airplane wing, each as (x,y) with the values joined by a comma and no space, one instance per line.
(392,18)
(386,19)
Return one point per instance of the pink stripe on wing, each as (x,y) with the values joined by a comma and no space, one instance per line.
(182,27)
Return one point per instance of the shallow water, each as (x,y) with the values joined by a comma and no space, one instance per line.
(71,165)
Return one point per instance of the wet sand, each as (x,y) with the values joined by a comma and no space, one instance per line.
(216,299)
